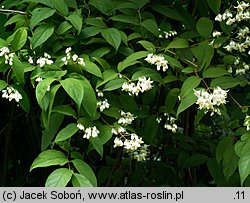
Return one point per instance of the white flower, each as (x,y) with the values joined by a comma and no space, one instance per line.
(68,50)
(11,93)
(39,79)
(74,57)
(91,132)
(211,101)
(80,126)
(157,60)
(30,60)
(99,93)
(118,142)
(46,60)
(126,119)
(142,153)
(247,122)
(103,104)
(4,51)
(216,33)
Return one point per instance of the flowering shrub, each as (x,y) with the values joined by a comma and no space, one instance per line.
(124,93)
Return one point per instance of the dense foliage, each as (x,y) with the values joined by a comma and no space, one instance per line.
(124,93)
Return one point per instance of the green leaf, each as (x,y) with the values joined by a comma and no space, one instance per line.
(125,19)
(96,22)
(66,132)
(63,27)
(41,90)
(65,110)
(151,26)
(243,145)
(45,2)
(230,162)
(188,86)
(104,6)
(188,101)
(225,82)
(24,102)
(59,178)
(244,167)
(168,12)
(40,14)
(18,69)
(85,170)
(215,170)
(61,6)
(3,84)
(18,39)
(92,68)
(131,60)
(147,45)
(194,160)
(51,128)
(114,84)
(76,21)
(89,101)
(49,157)
(214,5)
(74,89)
(213,72)
(107,75)
(147,72)
(172,99)
(41,34)
(178,43)
(79,180)
(204,26)
(15,19)
(204,53)
(222,146)
(112,36)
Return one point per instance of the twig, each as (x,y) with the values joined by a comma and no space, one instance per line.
(12,11)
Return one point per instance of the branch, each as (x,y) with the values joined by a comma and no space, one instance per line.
(12,11)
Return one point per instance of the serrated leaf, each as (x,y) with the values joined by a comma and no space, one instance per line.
(41,34)
(112,36)
(61,6)
(40,14)
(85,170)
(74,89)
(49,157)
(63,27)
(188,86)
(18,39)
(59,178)
(66,132)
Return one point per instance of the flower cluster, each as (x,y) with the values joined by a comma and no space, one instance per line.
(170,122)
(143,84)
(141,154)
(42,61)
(4,51)
(242,68)
(11,93)
(242,40)
(247,122)
(133,146)
(99,93)
(216,33)
(126,119)
(157,60)
(168,34)
(88,132)
(69,57)
(103,104)
(211,101)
